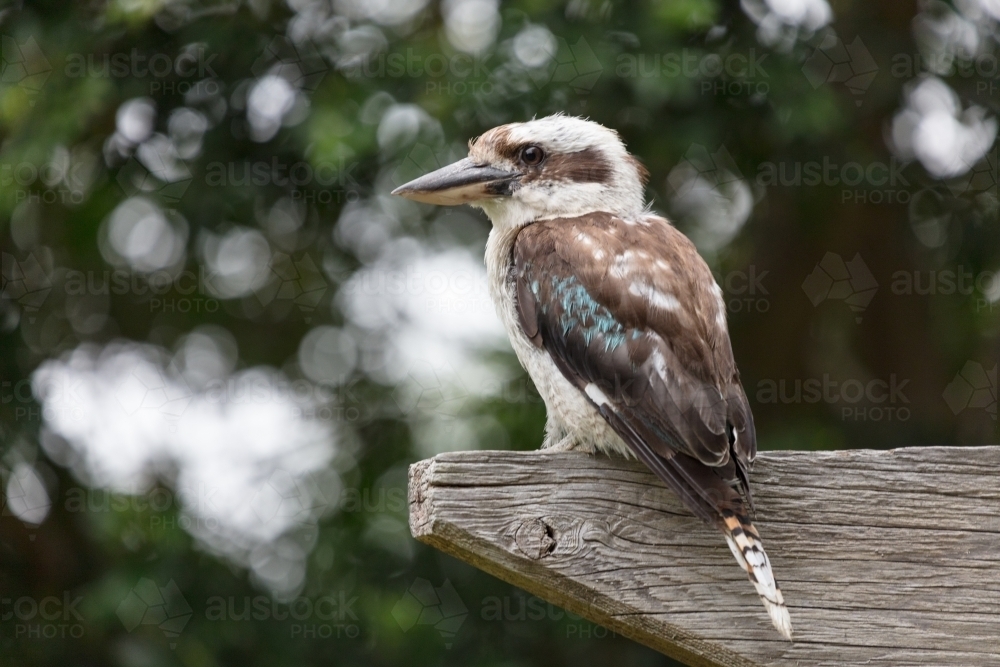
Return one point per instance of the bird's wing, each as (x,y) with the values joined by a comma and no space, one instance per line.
(633,317)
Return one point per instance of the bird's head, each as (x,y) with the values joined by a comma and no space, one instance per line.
(558,166)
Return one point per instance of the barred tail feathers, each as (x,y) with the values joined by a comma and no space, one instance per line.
(745,543)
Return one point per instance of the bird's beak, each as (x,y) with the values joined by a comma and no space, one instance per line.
(458,183)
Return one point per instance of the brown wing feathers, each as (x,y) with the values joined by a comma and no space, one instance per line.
(629,308)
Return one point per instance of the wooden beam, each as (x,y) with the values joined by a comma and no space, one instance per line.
(884,557)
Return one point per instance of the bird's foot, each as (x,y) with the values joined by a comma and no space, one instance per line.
(565,444)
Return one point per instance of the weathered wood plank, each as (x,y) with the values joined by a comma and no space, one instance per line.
(884,557)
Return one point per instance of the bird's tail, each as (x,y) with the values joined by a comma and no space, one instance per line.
(744,541)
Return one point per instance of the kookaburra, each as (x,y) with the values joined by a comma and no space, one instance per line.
(615,316)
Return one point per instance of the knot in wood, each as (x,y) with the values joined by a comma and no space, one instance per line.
(535,538)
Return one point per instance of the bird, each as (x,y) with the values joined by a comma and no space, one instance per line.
(615,316)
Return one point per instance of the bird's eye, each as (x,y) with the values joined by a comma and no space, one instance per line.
(532,155)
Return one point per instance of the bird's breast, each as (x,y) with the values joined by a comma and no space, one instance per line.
(568,410)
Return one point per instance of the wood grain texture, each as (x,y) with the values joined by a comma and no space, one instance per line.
(884,557)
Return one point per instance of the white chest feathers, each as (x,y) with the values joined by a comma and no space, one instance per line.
(571,422)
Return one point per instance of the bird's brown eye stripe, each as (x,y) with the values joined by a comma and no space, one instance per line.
(586,166)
